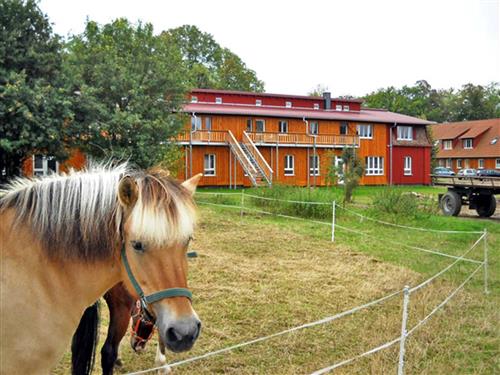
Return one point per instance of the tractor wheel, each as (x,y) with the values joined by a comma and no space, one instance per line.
(486,206)
(451,203)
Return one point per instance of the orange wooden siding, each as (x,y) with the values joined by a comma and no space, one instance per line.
(76,160)
(377,146)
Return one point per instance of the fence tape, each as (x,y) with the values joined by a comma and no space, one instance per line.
(288,201)
(264,338)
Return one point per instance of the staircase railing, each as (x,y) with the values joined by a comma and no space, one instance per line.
(259,159)
(242,157)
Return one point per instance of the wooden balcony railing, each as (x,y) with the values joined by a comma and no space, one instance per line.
(304,139)
(218,136)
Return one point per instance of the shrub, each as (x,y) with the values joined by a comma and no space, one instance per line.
(395,201)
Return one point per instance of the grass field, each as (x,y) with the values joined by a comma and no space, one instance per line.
(260,274)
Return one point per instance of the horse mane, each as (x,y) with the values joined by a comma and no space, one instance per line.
(78,215)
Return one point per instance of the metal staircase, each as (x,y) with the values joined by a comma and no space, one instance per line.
(260,176)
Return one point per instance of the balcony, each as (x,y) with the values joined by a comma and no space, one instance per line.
(301,139)
(204,137)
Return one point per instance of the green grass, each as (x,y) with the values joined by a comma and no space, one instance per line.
(258,274)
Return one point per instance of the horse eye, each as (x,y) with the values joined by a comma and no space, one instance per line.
(138,246)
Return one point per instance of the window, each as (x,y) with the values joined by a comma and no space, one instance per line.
(258,102)
(442,162)
(466,163)
(249,125)
(364,131)
(480,163)
(208,123)
(218,100)
(195,123)
(313,128)
(468,143)
(44,165)
(288,104)
(289,165)
(338,107)
(497,163)
(316,106)
(314,165)
(407,169)
(447,144)
(374,165)
(405,133)
(343,127)
(346,108)
(448,163)
(260,126)
(283,126)
(209,165)
(194,99)
(459,163)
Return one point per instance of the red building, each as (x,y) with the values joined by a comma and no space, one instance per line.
(244,138)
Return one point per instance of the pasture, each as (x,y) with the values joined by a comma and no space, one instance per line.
(259,274)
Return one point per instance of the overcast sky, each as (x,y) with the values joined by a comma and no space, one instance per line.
(353,47)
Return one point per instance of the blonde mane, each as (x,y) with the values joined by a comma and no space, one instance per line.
(78,216)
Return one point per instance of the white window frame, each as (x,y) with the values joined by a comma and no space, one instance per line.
(208,123)
(196,123)
(405,133)
(288,104)
(249,125)
(346,108)
(209,170)
(258,102)
(260,121)
(497,163)
(447,144)
(448,163)
(289,169)
(316,106)
(374,165)
(459,163)
(408,166)
(283,126)
(365,131)
(468,144)
(44,170)
(194,99)
(218,100)
(314,127)
(346,127)
(480,163)
(338,107)
(314,165)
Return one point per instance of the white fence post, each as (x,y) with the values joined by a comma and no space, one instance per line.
(485,246)
(406,302)
(333,221)
(242,202)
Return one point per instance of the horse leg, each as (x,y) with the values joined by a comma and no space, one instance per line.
(120,303)
(161,359)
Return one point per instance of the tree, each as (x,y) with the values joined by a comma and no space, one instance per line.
(127,87)
(210,65)
(350,171)
(318,90)
(33,104)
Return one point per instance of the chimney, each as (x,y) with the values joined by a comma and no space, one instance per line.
(327,97)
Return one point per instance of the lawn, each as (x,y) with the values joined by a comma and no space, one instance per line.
(258,274)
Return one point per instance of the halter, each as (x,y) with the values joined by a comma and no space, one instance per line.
(154,297)
(141,319)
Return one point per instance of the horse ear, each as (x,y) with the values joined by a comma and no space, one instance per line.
(128,192)
(191,184)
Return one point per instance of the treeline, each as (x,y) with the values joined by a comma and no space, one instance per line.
(114,90)
(471,102)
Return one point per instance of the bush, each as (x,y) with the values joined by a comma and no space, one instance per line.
(395,201)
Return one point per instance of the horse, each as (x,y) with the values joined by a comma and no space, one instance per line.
(67,239)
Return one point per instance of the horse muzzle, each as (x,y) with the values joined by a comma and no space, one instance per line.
(181,334)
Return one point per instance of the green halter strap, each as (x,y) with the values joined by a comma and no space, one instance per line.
(154,297)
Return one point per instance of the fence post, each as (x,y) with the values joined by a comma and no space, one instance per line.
(242,202)
(485,246)
(333,221)
(406,302)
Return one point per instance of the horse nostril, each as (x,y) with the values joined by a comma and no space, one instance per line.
(198,330)
(173,336)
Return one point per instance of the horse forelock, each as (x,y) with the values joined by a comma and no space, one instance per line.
(78,216)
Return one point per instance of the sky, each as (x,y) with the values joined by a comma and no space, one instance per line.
(352,47)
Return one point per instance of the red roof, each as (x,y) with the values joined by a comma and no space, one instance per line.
(364,115)
(483,132)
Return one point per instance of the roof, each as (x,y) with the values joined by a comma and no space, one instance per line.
(364,115)
(264,94)
(483,133)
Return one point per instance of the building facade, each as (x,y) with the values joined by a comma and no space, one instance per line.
(243,139)
(468,144)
